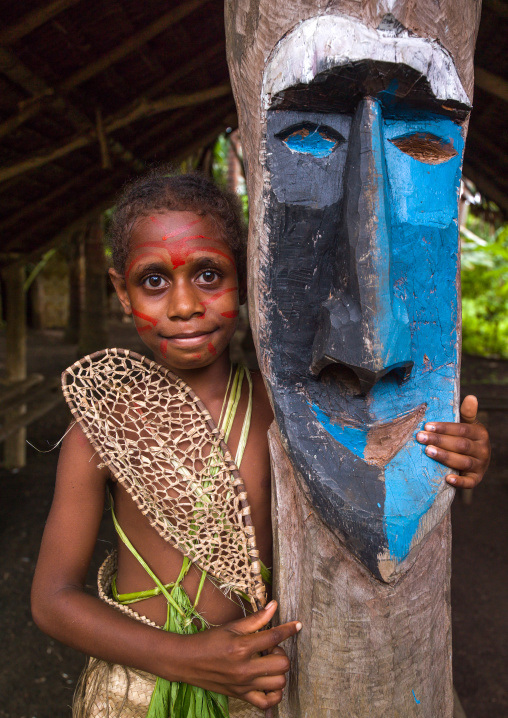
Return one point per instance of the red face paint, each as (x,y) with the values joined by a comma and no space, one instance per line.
(164,346)
(178,252)
(196,356)
(135,261)
(229,315)
(144,328)
(212,349)
(181,229)
(219,294)
(145,317)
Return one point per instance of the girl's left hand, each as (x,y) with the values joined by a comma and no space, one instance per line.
(464,447)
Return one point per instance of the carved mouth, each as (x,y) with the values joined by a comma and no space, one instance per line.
(378,443)
(386,440)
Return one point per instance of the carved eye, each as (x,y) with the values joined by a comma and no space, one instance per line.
(426,147)
(311,139)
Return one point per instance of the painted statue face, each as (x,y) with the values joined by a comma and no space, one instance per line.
(363,163)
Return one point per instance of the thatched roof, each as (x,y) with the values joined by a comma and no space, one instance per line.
(91,92)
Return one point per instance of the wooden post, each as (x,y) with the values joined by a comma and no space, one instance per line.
(16,369)
(75,259)
(353,294)
(93,322)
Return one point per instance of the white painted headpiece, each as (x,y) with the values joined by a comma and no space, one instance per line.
(329,41)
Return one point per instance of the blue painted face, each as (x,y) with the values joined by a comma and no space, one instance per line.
(362,277)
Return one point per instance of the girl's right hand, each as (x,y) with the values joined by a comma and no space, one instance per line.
(228,659)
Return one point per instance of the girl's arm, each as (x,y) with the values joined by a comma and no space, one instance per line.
(225,659)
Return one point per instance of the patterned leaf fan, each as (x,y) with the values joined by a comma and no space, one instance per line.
(161,444)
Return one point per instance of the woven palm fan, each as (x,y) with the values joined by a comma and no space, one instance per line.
(161,444)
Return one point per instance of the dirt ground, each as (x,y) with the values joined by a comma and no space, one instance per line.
(38,675)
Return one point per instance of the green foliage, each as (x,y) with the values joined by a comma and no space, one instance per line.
(220,160)
(485,289)
(220,170)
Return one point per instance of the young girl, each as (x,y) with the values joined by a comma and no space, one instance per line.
(179,258)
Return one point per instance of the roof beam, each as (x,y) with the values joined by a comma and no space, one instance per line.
(193,128)
(32,20)
(498,6)
(142,110)
(147,108)
(491,83)
(31,107)
(480,143)
(18,73)
(108,188)
(487,186)
(14,217)
(134,41)
(185,69)
(35,105)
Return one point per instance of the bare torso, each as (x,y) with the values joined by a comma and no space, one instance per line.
(164,559)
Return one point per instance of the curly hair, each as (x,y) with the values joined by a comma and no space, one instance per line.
(159,191)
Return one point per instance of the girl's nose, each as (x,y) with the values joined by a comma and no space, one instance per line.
(184,300)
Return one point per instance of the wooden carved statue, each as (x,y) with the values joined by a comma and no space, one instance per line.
(353,118)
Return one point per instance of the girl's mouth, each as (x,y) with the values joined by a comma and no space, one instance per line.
(190,339)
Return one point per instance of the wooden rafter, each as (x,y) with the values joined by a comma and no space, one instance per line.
(148,108)
(484,143)
(498,6)
(23,76)
(185,69)
(142,110)
(133,43)
(489,186)
(20,74)
(108,188)
(14,217)
(491,83)
(33,20)
(177,119)
(198,126)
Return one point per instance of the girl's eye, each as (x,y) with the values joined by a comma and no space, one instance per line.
(153,281)
(208,276)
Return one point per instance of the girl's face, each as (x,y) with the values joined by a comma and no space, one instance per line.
(181,287)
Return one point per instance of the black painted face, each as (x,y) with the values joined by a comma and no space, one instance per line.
(361,335)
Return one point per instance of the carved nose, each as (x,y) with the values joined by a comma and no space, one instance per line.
(341,339)
(363,324)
